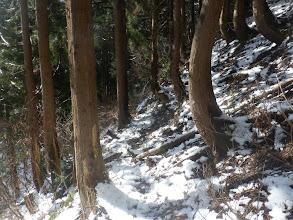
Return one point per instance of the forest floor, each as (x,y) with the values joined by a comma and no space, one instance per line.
(253,84)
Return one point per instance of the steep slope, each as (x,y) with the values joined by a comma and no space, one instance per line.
(253,86)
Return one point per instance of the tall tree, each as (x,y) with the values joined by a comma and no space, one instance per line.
(240,27)
(264,21)
(177,83)
(155,57)
(224,22)
(49,116)
(171,26)
(90,167)
(121,62)
(183,30)
(192,20)
(204,108)
(31,99)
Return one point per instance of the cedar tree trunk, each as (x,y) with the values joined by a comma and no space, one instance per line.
(192,20)
(183,30)
(154,58)
(31,100)
(203,104)
(224,20)
(49,120)
(177,83)
(90,167)
(240,27)
(171,27)
(262,19)
(121,62)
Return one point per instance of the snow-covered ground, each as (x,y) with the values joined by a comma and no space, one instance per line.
(251,183)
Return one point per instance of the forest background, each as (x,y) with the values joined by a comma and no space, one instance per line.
(156,50)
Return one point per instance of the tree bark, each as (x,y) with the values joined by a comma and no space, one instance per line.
(13,162)
(177,83)
(171,27)
(90,166)
(31,100)
(192,20)
(49,115)
(183,30)
(262,19)
(203,103)
(224,20)
(154,58)
(240,27)
(121,62)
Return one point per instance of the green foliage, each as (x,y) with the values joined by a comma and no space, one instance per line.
(12,90)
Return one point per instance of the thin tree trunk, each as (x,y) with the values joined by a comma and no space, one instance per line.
(224,20)
(90,167)
(240,27)
(263,24)
(192,20)
(31,100)
(13,162)
(154,58)
(171,27)
(183,30)
(177,83)
(49,120)
(203,103)
(121,63)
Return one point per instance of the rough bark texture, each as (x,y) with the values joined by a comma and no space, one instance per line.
(49,117)
(31,99)
(240,27)
(154,59)
(224,20)
(263,20)
(121,63)
(177,84)
(202,99)
(90,167)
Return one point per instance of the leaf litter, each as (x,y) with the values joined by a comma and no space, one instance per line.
(255,181)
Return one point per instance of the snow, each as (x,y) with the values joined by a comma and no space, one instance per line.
(174,188)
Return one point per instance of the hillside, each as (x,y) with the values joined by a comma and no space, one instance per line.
(253,84)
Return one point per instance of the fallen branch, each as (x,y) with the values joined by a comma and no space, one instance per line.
(164,148)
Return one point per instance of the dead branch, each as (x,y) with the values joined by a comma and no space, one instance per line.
(164,148)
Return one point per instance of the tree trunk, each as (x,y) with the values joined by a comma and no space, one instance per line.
(240,27)
(154,58)
(203,103)
(49,117)
(183,30)
(262,19)
(90,167)
(192,20)
(171,27)
(224,20)
(121,63)
(13,162)
(31,100)
(177,83)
